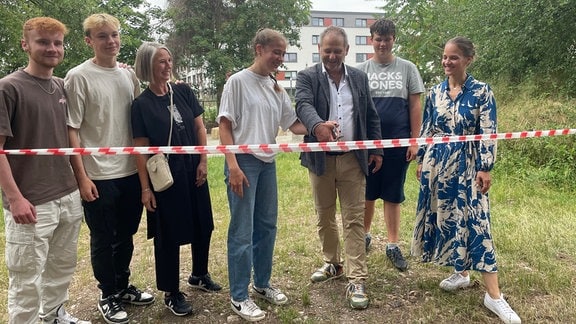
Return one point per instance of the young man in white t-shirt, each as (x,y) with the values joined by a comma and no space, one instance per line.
(396,86)
(100,95)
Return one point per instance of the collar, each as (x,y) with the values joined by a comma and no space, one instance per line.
(326,72)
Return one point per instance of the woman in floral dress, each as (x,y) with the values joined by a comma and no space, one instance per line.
(453,213)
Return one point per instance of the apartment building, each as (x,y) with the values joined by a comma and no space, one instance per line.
(297,59)
(357,26)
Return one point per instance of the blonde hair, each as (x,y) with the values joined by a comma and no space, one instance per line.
(144,63)
(265,37)
(98,20)
(43,24)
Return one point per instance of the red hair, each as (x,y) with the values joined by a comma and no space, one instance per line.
(43,24)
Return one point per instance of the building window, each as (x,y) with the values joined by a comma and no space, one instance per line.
(315,57)
(338,22)
(361,40)
(315,39)
(317,21)
(361,22)
(291,57)
(290,75)
(361,57)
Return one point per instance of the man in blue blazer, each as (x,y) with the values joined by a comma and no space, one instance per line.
(333,101)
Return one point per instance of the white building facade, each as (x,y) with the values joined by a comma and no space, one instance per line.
(357,27)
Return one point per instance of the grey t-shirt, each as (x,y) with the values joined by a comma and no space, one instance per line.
(390,86)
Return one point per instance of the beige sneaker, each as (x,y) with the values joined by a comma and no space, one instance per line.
(328,271)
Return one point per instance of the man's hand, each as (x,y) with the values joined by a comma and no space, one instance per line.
(23,211)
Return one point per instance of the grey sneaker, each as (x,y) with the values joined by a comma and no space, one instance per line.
(455,281)
(247,309)
(272,295)
(356,296)
(62,317)
(395,255)
(328,271)
(367,240)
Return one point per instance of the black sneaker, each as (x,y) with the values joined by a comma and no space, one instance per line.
(112,310)
(176,302)
(204,283)
(135,296)
(395,255)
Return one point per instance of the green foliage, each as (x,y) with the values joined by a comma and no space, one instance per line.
(548,160)
(518,40)
(216,35)
(136,17)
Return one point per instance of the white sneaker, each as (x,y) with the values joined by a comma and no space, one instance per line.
(272,295)
(248,310)
(501,308)
(455,281)
(62,317)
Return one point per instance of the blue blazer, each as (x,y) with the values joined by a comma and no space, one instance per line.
(313,107)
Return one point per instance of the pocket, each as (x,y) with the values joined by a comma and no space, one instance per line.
(20,247)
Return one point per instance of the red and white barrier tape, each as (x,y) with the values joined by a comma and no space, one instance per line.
(287,147)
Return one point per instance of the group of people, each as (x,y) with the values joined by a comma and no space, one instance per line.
(99,103)
(46,198)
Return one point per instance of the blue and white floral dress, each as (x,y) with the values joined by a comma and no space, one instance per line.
(453,215)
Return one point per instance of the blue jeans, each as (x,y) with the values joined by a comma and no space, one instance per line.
(252,229)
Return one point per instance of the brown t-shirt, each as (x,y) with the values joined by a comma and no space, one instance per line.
(33,115)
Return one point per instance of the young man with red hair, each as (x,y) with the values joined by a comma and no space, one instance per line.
(42,209)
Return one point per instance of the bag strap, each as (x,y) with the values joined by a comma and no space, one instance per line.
(171,108)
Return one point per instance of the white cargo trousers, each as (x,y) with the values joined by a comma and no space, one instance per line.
(41,258)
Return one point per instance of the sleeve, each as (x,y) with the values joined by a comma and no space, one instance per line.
(137,89)
(138,126)
(373,131)
(415,83)
(426,129)
(227,107)
(305,109)
(74,86)
(487,125)
(197,108)
(6,110)
(288,117)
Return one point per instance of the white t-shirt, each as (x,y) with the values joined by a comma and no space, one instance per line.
(255,110)
(99,101)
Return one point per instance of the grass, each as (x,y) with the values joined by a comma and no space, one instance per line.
(533,207)
(531,225)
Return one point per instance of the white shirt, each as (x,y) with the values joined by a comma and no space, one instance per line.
(255,110)
(341,105)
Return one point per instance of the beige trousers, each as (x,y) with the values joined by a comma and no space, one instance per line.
(343,179)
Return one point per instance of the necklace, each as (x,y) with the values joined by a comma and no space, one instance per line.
(52,87)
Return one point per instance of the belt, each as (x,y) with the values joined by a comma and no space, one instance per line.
(336,153)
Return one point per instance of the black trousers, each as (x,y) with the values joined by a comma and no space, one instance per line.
(113,219)
(167,257)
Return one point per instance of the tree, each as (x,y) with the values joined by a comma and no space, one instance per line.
(216,35)
(516,40)
(135,17)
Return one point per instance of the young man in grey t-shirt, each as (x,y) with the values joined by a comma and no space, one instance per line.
(395,86)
